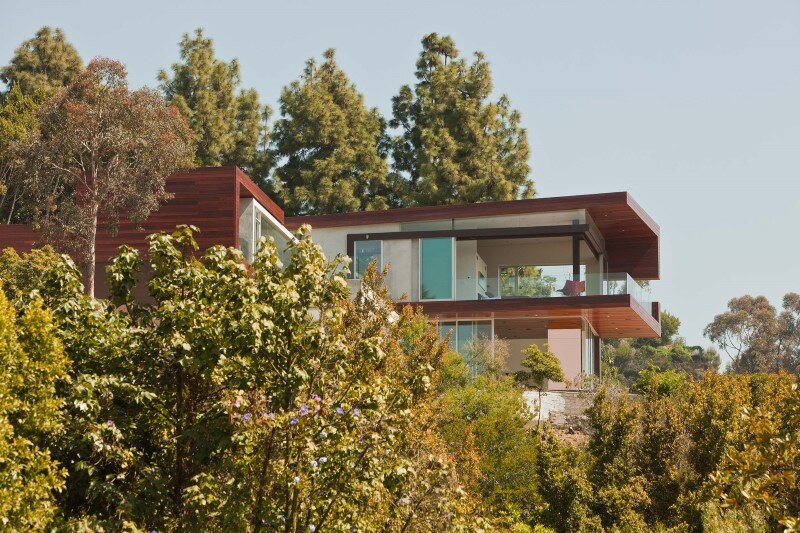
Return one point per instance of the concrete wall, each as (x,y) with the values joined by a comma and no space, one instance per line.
(515,347)
(334,240)
(566,344)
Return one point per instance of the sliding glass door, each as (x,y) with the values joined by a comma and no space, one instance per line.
(436,264)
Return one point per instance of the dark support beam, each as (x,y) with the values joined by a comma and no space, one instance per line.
(576,258)
(582,231)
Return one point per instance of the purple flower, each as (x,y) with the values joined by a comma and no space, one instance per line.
(313,463)
(247,416)
(323,459)
(356,411)
(315,397)
(109,422)
(339,411)
(293,422)
(304,410)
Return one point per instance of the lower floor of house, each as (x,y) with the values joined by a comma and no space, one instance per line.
(572,340)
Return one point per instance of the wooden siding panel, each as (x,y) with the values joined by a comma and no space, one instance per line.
(21,237)
(204,197)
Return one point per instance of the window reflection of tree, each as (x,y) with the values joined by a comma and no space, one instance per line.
(527,280)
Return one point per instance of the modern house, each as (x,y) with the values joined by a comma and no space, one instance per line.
(564,271)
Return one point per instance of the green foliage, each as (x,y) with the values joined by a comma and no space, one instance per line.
(18,123)
(241,398)
(328,145)
(229,126)
(755,337)
(660,455)
(762,473)
(564,488)
(628,358)
(484,425)
(542,365)
(654,381)
(619,493)
(34,368)
(43,64)
(455,145)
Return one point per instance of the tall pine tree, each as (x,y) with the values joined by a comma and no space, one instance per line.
(230,126)
(455,145)
(43,64)
(40,66)
(328,146)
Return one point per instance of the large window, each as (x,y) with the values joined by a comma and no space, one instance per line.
(531,281)
(365,253)
(254,223)
(463,332)
(436,268)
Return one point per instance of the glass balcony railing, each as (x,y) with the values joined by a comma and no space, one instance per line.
(551,287)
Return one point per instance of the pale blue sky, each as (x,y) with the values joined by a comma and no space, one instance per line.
(690,106)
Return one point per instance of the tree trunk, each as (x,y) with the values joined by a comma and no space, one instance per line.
(539,414)
(89,265)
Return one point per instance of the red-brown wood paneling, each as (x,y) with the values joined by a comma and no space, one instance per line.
(204,197)
(21,237)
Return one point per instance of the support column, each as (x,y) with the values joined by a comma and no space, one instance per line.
(576,258)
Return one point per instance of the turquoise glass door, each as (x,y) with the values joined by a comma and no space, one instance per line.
(436,268)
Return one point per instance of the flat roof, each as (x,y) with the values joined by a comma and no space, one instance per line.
(632,236)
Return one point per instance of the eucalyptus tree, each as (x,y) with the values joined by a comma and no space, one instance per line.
(101,151)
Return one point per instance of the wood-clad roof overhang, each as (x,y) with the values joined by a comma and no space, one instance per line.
(631,236)
(611,316)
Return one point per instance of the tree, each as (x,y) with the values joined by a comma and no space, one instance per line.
(563,486)
(454,144)
(762,474)
(45,63)
(102,151)
(30,415)
(755,337)
(18,123)
(620,497)
(661,454)
(484,425)
(669,352)
(542,365)
(230,127)
(328,145)
(245,397)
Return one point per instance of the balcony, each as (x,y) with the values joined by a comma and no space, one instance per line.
(535,282)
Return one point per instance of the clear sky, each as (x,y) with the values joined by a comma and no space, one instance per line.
(690,106)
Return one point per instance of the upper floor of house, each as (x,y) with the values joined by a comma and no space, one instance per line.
(544,257)
(586,255)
